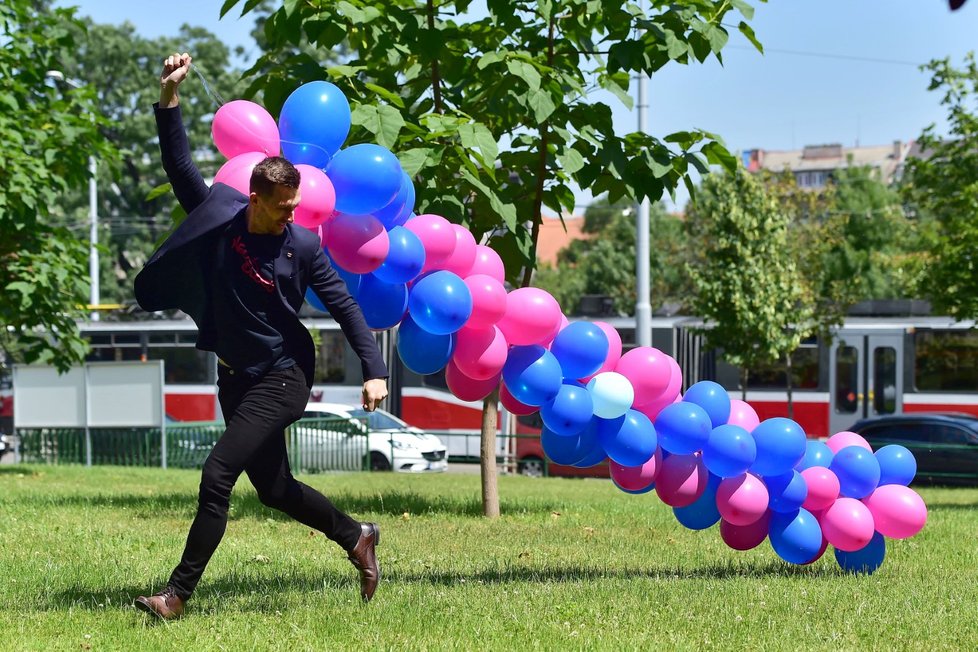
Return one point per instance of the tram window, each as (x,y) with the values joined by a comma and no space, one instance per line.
(846,389)
(114,353)
(804,371)
(884,380)
(331,358)
(946,360)
(182,365)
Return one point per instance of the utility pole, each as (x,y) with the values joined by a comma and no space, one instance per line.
(643,306)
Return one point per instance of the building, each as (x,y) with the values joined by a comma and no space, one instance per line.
(554,237)
(814,165)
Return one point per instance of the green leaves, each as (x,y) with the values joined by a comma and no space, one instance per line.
(383,121)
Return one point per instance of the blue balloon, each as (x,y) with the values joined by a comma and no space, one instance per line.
(366,178)
(314,301)
(865,560)
(703,512)
(352,280)
(786,492)
(405,258)
(713,398)
(569,450)
(420,351)
(817,453)
(570,411)
(683,428)
(314,122)
(597,456)
(897,465)
(780,445)
(400,207)
(581,348)
(729,451)
(795,537)
(629,440)
(441,302)
(383,304)
(532,374)
(858,471)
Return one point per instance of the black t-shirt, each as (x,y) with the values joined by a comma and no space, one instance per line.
(248,311)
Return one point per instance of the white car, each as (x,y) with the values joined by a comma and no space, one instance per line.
(391,443)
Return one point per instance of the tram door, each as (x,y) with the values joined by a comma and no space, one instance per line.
(865,377)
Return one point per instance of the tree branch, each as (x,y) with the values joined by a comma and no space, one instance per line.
(435,73)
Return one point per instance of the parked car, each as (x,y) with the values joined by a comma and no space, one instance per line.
(7,443)
(391,443)
(944,445)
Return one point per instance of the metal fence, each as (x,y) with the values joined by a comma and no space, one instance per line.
(314,445)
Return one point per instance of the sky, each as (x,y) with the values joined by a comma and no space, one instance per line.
(834,71)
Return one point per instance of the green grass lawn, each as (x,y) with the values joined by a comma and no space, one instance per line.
(571,564)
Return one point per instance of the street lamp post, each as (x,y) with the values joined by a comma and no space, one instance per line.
(93,261)
(643,305)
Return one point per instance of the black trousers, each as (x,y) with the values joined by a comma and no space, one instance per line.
(257,412)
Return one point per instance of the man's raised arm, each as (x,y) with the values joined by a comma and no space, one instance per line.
(188,184)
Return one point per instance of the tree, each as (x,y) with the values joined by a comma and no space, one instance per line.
(124,67)
(48,136)
(748,287)
(943,184)
(443,88)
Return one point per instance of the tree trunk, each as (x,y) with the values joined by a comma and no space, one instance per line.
(791,404)
(490,479)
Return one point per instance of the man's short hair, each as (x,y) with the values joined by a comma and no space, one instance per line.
(273,171)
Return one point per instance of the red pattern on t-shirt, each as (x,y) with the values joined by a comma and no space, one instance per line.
(248,265)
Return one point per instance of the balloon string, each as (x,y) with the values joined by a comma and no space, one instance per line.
(207,87)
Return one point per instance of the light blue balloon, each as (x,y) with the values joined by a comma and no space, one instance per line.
(865,560)
(781,444)
(400,207)
(729,451)
(383,304)
(581,348)
(796,537)
(314,123)
(713,398)
(405,258)
(420,351)
(897,465)
(532,375)
(786,492)
(703,512)
(441,302)
(611,393)
(858,471)
(683,428)
(570,411)
(817,453)
(629,440)
(366,178)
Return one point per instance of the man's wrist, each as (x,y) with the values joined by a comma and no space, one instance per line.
(169,98)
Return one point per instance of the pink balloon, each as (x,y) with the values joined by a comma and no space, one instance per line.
(840,440)
(358,243)
(670,396)
(742,499)
(437,237)
(898,512)
(648,370)
(848,524)
(480,353)
(465,388)
(317,198)
(823,488)
(488,300)
(532,315)
(463,257)
(488,262)
(614,350)
(241,126)
(512,405)
(681,480)
(236,172)
(743,415)
(636,478)
(745,537)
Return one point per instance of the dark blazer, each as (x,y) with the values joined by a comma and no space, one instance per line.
(178,273)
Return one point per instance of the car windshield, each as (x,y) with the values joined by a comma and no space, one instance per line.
(379,420)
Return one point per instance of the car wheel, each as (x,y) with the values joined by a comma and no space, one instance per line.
(379,463)
(531,467)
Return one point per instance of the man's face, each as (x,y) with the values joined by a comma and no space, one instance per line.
(271,213)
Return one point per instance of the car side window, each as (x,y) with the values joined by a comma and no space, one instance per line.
(952,435)
(912,432)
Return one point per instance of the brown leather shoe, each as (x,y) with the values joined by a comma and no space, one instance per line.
(363,556)
(165,605)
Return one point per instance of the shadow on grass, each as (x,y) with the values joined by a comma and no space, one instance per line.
(247,505)
(14,469)
(277,593)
